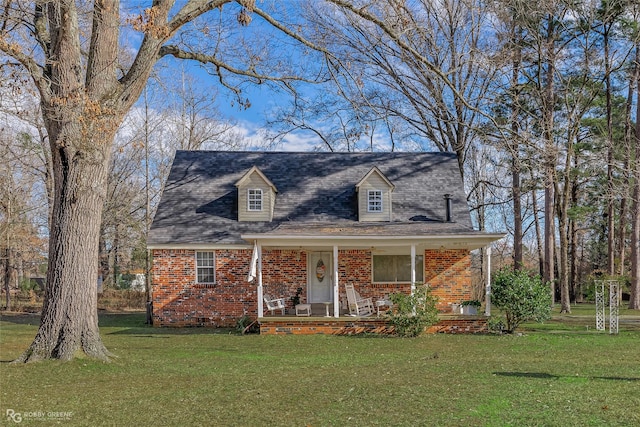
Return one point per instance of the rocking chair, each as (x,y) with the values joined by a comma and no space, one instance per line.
(358,306)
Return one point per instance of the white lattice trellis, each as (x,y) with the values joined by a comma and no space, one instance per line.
(600,317)
(614,308)
(614,305)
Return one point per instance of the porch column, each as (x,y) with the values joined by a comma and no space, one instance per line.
(413,269)
(487,297)
(336,284)
(260,292)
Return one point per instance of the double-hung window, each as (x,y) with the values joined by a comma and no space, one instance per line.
(206,267)
(254,199)
(396,268)
(374,201)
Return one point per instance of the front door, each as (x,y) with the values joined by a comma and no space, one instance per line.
(320,273)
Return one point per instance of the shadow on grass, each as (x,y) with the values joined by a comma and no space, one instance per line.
(20,318)
(151,332)
(132,323)
(547,376)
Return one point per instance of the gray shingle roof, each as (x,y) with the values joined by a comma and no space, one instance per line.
(316,192)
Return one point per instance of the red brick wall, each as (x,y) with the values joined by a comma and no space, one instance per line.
(179,301)
(448,272)
(283,272)
(354,266)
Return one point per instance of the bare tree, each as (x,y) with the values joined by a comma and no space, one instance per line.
(20,244)
(413,73)
(634,300)
(83,101)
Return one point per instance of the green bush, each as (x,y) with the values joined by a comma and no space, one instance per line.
(496,324)
(521,296)
(412,314)
(243,322)
(471,303)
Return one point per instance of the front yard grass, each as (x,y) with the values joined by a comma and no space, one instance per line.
(550,376)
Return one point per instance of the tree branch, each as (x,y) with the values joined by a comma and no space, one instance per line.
(191,11)
(103,52)
(211,59)
(35,70)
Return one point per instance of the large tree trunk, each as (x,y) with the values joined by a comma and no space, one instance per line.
(69,319)
(81,114)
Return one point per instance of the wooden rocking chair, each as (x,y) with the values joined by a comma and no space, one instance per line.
(358,306)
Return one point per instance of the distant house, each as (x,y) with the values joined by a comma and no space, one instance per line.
(310,221)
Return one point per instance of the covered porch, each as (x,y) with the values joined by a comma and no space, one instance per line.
(334,258)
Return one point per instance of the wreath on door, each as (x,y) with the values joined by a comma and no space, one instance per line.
(321,270)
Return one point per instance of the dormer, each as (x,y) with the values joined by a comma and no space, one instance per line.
(374,197)
(256,196)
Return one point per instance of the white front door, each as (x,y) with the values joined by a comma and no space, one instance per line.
(320,273)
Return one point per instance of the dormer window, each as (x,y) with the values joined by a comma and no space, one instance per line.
(256,196)
(254,200)
(374,197)
(374,200)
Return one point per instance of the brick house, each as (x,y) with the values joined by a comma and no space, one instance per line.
(307,224)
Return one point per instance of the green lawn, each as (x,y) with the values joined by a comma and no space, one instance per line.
(557,374)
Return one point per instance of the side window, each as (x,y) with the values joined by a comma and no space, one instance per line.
(254,199)
(396,268)
(206,267)
(374,201)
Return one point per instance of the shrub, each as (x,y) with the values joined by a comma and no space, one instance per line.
(521,296)
(471,303)
(495,324)
(245,321)
(412,314)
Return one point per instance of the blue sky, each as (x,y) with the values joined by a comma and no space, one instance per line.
(263,98)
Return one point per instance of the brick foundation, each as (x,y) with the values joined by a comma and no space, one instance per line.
(347,326)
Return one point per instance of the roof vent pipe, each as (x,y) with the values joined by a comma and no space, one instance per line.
(447,198)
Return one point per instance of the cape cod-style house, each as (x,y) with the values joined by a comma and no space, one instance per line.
(259,233)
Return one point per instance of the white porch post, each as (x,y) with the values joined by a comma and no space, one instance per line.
(336,284)
(487,298)
(260,292)
(413,269)
(413,273)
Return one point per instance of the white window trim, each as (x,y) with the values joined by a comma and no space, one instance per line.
(374,202)
(257,192)
(206,266)
(401,281)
